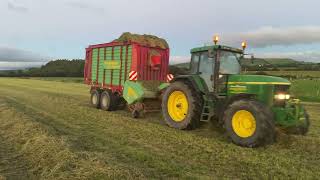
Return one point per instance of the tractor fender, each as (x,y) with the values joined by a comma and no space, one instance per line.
(196,82)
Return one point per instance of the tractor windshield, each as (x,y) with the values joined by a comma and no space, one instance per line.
(229,62)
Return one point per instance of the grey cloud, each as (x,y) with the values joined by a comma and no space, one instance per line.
(86,6)
(17,7)
(268,36)
(8,54)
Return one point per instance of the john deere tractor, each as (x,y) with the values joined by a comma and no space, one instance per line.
(249,107)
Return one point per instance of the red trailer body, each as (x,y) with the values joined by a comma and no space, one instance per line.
(109,65)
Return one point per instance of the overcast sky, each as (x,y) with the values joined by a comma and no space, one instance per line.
(35,31)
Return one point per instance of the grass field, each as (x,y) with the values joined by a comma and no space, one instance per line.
(307,90)
(48,131)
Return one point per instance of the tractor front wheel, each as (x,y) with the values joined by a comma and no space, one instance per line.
(181,106)
(249,123)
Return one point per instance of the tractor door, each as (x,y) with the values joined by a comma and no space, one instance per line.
(203,65)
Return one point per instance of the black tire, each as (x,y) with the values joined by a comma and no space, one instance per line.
(264,132)
(302,128)
(108,101)
(195,104)
(95,99)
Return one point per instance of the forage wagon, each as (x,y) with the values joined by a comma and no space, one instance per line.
(132,69)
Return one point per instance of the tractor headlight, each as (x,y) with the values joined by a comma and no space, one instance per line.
(282,96)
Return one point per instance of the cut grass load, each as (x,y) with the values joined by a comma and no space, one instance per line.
(50,131)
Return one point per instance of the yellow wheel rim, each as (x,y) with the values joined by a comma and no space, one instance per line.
(177,106)
(243,123)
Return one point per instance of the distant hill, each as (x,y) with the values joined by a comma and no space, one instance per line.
(56,68)
(283,62)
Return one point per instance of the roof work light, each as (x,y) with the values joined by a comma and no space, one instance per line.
(215,39)
(244,45)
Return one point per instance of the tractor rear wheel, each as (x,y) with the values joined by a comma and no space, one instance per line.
(249,123)
(182,106)
(95,99)
(108,101)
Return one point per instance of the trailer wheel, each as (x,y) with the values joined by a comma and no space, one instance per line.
(249,123)
(181,106)
(108,101)
(95,99)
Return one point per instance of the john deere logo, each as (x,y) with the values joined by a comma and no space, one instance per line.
(113,64)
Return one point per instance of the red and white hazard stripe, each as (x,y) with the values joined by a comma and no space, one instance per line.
(169,77)
(133,76)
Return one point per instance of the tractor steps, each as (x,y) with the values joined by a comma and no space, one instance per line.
(206,112)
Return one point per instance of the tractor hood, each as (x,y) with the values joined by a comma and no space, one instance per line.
(257,79)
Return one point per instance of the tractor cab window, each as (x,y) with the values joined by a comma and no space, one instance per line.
(194,63)
(206,67)
(206,64)
(229,62)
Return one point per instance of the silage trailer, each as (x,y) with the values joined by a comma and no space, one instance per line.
(131,70)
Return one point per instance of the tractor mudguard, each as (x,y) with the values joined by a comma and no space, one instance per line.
(196,81)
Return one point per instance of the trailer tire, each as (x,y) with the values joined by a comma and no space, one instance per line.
(95,99)
(188,113)
(249,123)
(108,101)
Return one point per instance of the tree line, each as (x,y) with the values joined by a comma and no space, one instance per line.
(56,68)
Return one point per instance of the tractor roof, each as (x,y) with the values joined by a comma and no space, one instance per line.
(216,47)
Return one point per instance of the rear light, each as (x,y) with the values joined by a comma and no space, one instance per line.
(133,75)
(169,77)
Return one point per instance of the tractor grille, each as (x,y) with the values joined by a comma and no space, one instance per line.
(281,89)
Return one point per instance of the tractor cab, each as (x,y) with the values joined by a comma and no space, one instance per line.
(214,63)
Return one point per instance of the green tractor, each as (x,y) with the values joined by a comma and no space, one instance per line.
(249,107)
